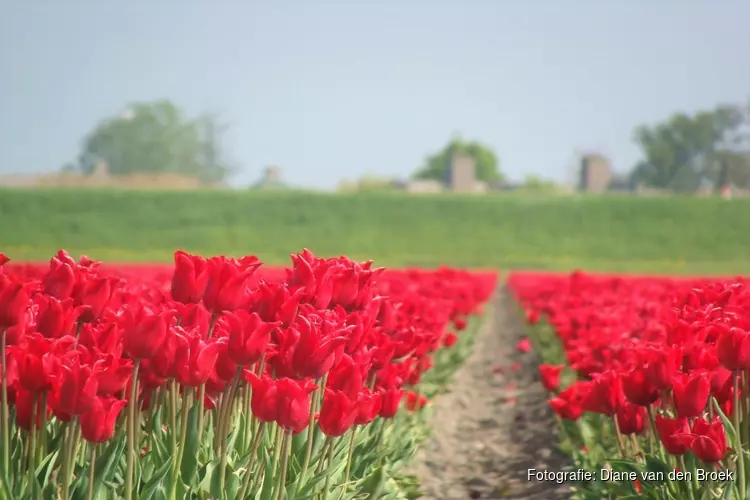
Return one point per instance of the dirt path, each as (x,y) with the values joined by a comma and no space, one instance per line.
(494,424)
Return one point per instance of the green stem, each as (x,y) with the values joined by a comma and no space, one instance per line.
(653,435)
(222,427)
(323,455)
(173,415)
(201,408)
(684,469)
(92,471)
(277,441)
(740,452)
(327,484)
(349,460)
(32,439)
(618,436)
(4,414)
(69,456)
(132,403)
(249,471)
(41,450)
(187,403)
(286,446)
(311,428)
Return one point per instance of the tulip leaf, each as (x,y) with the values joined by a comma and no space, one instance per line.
(374,484)
(49,463)
(5,484)
(156,483)
(654,464)
(268,475)
(728,426)
(189,465)
(205,475)
(160,451)
(104,468)
(230,487)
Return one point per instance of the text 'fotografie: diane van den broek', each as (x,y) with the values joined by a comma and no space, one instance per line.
(580,475)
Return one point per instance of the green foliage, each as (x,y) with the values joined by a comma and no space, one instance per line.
(155,138)
(614,233)
(687,151)
(436,167)
(538,185)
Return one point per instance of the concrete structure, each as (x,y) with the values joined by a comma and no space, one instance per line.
(596,174)
(462,174)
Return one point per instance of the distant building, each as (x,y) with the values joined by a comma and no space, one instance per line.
(596,174)
(424,186)
(461,175)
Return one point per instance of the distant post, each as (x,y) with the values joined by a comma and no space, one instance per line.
(462,174)
(596,174)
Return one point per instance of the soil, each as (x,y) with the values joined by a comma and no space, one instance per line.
(494,423)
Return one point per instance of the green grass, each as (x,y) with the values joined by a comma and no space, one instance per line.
(612,233)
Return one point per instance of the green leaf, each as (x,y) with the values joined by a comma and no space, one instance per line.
(374,484)
(5,485)
(230,487)
(268,476)
(46,467)
(655,464)
(206,473)
(731,431)
(189,465)
(157,481)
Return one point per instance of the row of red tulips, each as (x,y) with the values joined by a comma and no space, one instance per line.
(217,378)
(662,364)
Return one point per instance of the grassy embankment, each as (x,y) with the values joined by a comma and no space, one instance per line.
(651,235)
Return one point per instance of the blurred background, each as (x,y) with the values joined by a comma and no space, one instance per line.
(542,135)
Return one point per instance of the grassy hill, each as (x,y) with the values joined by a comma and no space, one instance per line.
(676,235)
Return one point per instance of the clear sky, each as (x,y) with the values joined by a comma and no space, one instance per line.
(328,90)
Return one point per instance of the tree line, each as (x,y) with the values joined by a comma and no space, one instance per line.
(683,153)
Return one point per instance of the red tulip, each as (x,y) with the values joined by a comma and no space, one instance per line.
(733,349)
(337,414)
(190,278)
(670,432)
(690,394)
(368,407)
(631,418)
(14,302)
(708,440)
(638,388)
(264,402)
(76,392)
(550,376)
(391,399)
(196,363)
(144,333)
(294,404)
(98,424)
(248,337)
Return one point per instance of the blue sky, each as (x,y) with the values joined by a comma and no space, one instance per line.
(331,90)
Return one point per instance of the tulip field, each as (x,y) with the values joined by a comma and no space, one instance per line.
(649,379)
(219,378)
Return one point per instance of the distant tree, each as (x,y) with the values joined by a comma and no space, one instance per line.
(689,151)
(437,166)
(535,182)
(157,137)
